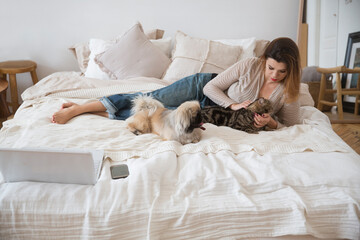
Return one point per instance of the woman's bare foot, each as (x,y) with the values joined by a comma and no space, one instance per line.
(68,104)
(67,112)
(70,110)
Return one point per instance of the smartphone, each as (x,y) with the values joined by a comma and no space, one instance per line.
(119,171)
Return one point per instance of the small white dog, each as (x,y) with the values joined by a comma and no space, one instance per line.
(150,116)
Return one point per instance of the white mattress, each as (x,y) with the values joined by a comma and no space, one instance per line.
(297,181)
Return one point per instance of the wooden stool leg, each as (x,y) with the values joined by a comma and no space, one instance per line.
(4,109)
(5,112)
(3,76)
(322,92)
(34,77)
(14,94)
(339,96)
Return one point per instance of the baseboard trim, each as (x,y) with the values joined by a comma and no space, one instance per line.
(345,121)
(349,118)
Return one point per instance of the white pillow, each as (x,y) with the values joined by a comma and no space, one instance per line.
(164,45)
(194,55)
(133,55)
(97,46)
(305,97)
(248,45)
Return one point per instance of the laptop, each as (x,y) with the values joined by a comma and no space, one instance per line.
(74,166)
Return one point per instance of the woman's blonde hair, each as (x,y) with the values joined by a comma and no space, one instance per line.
(286,51)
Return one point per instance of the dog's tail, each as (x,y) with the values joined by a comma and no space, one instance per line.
(143,102)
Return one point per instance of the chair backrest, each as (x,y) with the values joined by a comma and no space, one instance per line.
(339,69)
(339,90)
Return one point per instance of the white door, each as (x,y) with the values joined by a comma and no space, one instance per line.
(329,12)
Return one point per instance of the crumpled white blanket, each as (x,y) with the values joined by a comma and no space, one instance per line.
(32,126)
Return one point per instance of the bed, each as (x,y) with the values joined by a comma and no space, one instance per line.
(299,182)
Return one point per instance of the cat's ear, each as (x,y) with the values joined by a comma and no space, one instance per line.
(261,100)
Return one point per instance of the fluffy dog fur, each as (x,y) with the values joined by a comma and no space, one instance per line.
(150,116)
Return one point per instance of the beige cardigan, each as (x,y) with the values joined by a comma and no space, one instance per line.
(242,81)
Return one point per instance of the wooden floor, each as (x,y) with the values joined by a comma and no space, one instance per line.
(350,133)
(348,129)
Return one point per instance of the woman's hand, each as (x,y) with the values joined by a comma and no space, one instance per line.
(262,120)
(237,106)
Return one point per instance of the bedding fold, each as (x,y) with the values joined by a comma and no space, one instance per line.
(194,196)
(34,124)
(34,119)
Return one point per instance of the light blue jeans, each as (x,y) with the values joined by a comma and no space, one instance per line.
(189,88)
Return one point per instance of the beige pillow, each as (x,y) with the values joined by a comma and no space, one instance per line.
(98,46)
(81,51)
(155,34)
(305,97)
(194,55)
(260,47)
(132,56)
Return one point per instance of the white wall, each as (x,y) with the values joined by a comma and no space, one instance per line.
(349,22)
(42,30)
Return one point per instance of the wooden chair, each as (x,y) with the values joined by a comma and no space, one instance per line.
(340,92)
(12,68)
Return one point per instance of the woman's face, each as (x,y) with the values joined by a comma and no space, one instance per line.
(275,71)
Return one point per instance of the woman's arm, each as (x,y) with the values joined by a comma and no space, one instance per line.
(215,89)
(237,106)
(237,78)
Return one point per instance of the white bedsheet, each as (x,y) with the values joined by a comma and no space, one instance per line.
(302,180)
(92,131)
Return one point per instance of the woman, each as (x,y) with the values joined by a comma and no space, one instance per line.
(275,76)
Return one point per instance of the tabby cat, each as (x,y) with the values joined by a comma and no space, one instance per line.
(242,119)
